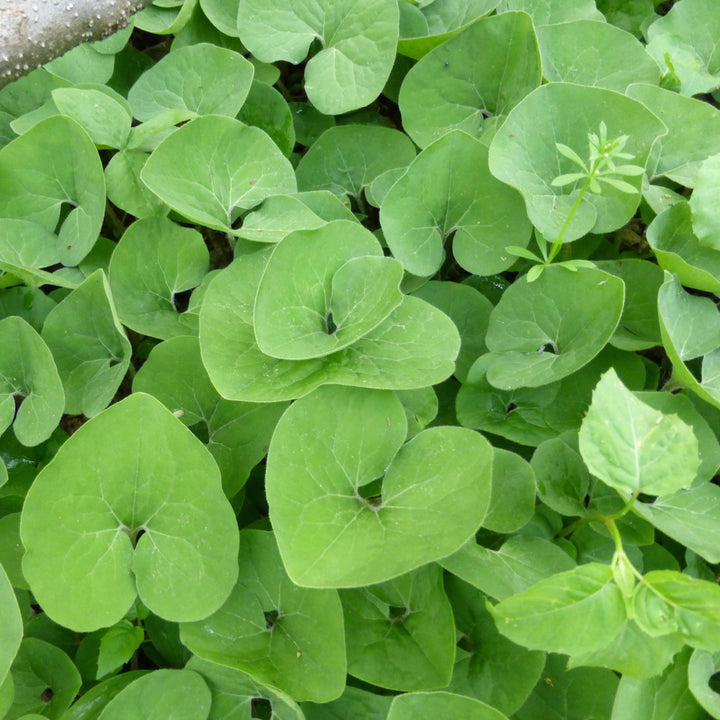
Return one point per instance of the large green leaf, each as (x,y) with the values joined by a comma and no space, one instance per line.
(633,447)
(155,262)
(347,158)
(573,612)
(543,331)
(524,154)
(684,45)
(358,40)
(464,201)
(284,636)
(268,110)
(333,529)
(144,515)
(238,434)
(323,290)
(171,694)
(445,91)
(31,393)
(11,630)
(415,346)
(91,370)
(52,167)
(589,52)
(203,78)
(213,167)
(400,634)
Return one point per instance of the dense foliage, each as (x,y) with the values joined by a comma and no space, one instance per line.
(361,359)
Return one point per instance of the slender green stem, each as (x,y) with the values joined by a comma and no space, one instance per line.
(605,519)
(557,243)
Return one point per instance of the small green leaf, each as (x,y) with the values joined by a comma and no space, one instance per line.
(117,646)
(358,46)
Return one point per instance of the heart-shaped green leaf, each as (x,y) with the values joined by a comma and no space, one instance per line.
(443,91)
(215,166)
(236,695)
(155,262)
(347,158)
(358,41)
(488,666)
(543,331)
(524,153)
(464,201)
(401,634)
(146,515)
(46,680)
(91,371)
(415,346)
(322,290)
(284,636)
(51,167)
(341,531)
(203,78)
(31,393)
